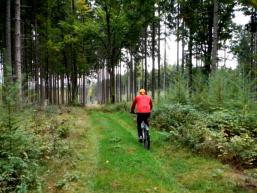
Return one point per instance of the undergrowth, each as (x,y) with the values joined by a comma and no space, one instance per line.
(28,139)
(219,118)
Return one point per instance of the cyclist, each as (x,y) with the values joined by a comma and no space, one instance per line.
(144,105)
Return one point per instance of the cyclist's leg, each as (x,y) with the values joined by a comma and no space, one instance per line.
(139,121)
(145,118)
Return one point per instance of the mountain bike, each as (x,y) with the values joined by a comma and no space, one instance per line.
(145,135)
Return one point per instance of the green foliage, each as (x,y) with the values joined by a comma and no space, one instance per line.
(124,106)
(225,135)
(229,89)
(178,90)
(63,131)
(61,184)
(20,154)
(29,138)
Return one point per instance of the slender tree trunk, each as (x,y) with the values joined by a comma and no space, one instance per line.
(8,41)
(146,77)
(120,84)
(112,84)
(84,89)
(178,31)
(8,54)
(253,42)
(103,86)
(37,67)
(190,66)
(153,60)
(159,52)
(58,89)
(50,92)
(18,48)
(183,49)
(215,34)
(55,89)
(128,83)
(42,84)
(165,59)
(62,88)
(68,90)
(131,77)
(135,77)
(209,45)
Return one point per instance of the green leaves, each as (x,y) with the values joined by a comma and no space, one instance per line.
(228,136)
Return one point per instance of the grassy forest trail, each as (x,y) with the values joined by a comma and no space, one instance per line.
(108,159)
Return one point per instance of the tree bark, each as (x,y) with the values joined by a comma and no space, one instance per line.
(159,52)
(8,54)
(153,60)
(8,40)
(18,48)
(146,77)
(183,49)
(178,31)
(165,59)
(215,35)
(190,66)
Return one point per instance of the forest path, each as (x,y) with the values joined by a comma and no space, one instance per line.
(112,161)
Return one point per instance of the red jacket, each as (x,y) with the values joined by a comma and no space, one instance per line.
(143,103)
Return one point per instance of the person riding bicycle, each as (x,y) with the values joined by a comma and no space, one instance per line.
(144,105)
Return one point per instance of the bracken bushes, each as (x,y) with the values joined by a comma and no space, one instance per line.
(230,137)
(219,119)
(28,139)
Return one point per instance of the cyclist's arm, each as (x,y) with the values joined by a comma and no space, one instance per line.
(151,104)
(133,105)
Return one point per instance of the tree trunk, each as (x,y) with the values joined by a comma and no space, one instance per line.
(215,34)
(8,63)
(165,59)
(207,61)
(103,85)
(146,77)
(37,67)
(159,52)
(183,49)
(112,84)
(18,48)
(62,89)
(84,89)
(8,54)
(120,83)
(178,31)
(153,60)
(131,76)
(128,83)
(190,66)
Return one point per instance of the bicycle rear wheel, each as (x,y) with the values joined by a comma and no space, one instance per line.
(146,139)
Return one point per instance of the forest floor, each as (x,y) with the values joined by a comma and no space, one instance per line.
(106,158)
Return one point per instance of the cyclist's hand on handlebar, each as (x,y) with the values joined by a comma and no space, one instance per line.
(132,112)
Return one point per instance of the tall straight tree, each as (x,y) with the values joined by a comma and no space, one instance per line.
(177,34)
(153,59)
(8,58)
(8,34)
(159,51)
(18,48)
(215,34)
(145,55)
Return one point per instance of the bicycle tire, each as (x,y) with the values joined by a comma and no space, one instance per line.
(146,139)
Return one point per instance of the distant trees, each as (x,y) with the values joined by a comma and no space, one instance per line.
(54,49)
